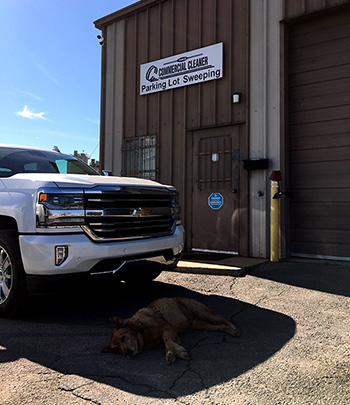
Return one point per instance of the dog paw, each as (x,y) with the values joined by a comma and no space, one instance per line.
(170,357)
(181,353)
(233,331)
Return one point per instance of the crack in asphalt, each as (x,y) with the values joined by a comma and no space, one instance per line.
(76,394)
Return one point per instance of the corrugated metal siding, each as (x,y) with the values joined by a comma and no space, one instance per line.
(162,28)
(168,28)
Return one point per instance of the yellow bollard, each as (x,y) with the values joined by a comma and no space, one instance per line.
(274,234)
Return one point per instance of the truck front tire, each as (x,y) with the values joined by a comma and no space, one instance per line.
(12,276)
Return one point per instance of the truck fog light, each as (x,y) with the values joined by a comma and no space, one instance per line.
(61,254)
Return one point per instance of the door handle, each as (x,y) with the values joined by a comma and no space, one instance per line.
(234,190)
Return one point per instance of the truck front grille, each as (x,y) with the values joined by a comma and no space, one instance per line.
(123,213)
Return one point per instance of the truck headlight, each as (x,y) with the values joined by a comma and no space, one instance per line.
(60,207)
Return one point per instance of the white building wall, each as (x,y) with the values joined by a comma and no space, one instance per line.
(264,121)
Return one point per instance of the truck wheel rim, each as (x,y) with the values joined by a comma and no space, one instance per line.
(5,275)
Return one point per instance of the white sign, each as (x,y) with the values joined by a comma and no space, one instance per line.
(197,66)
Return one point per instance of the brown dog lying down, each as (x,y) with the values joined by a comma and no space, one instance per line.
(161,321)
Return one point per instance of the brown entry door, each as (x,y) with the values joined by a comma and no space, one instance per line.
(215,210)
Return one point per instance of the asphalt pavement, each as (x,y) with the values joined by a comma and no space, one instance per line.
(293,348)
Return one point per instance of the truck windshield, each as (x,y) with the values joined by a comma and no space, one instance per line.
(18,160)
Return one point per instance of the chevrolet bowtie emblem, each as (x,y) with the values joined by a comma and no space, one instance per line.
(140,212)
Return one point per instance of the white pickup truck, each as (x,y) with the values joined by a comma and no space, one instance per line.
(60,218)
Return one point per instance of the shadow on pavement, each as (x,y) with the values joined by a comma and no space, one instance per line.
(329,277)
(65,332)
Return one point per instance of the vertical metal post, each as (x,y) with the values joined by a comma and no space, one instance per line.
(274,236)
(274,215)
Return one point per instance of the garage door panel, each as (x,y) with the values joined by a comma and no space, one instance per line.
(317,60)
(317,76)
(320,115)
(326,236)
(300,143)
(320,216)
(320,175)
(324,250)
(317,26)
(319,35)
(319,136)
(320,155)
(320,95)
(305,102)
(315,129)
(325,88)
(321,195)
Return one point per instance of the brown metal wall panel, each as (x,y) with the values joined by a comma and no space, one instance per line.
(165,113)
(314,5)
(154,32)
(194,29)
(294,8)
(130,76)
(167,29)
(141,57)
(208,20)
(180,26)
(208,90)
(159,29)
(240,48)
(179,96)
(154,38)
(223,88)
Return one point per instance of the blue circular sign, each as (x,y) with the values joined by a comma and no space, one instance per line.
(215,201)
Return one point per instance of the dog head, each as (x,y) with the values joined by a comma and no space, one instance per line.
(125,340)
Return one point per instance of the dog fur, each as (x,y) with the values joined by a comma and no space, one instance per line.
(162,321)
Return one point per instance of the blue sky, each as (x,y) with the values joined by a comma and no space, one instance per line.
(50,73)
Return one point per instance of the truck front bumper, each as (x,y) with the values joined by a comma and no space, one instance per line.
(84,256)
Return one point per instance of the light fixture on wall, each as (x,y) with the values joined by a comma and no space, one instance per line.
(101,39)
(236,98)
(215,157)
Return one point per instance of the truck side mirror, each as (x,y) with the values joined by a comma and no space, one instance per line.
(107,172)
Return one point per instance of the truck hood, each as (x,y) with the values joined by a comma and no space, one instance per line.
(83,181)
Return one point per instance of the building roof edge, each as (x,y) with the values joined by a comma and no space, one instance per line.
(124,12)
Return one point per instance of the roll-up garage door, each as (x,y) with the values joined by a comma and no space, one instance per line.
(319,136)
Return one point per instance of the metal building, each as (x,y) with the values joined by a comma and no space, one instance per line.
(212,95)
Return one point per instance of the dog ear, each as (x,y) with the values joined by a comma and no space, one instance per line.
(118,322)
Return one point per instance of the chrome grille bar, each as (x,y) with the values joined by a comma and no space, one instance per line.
(128,212)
